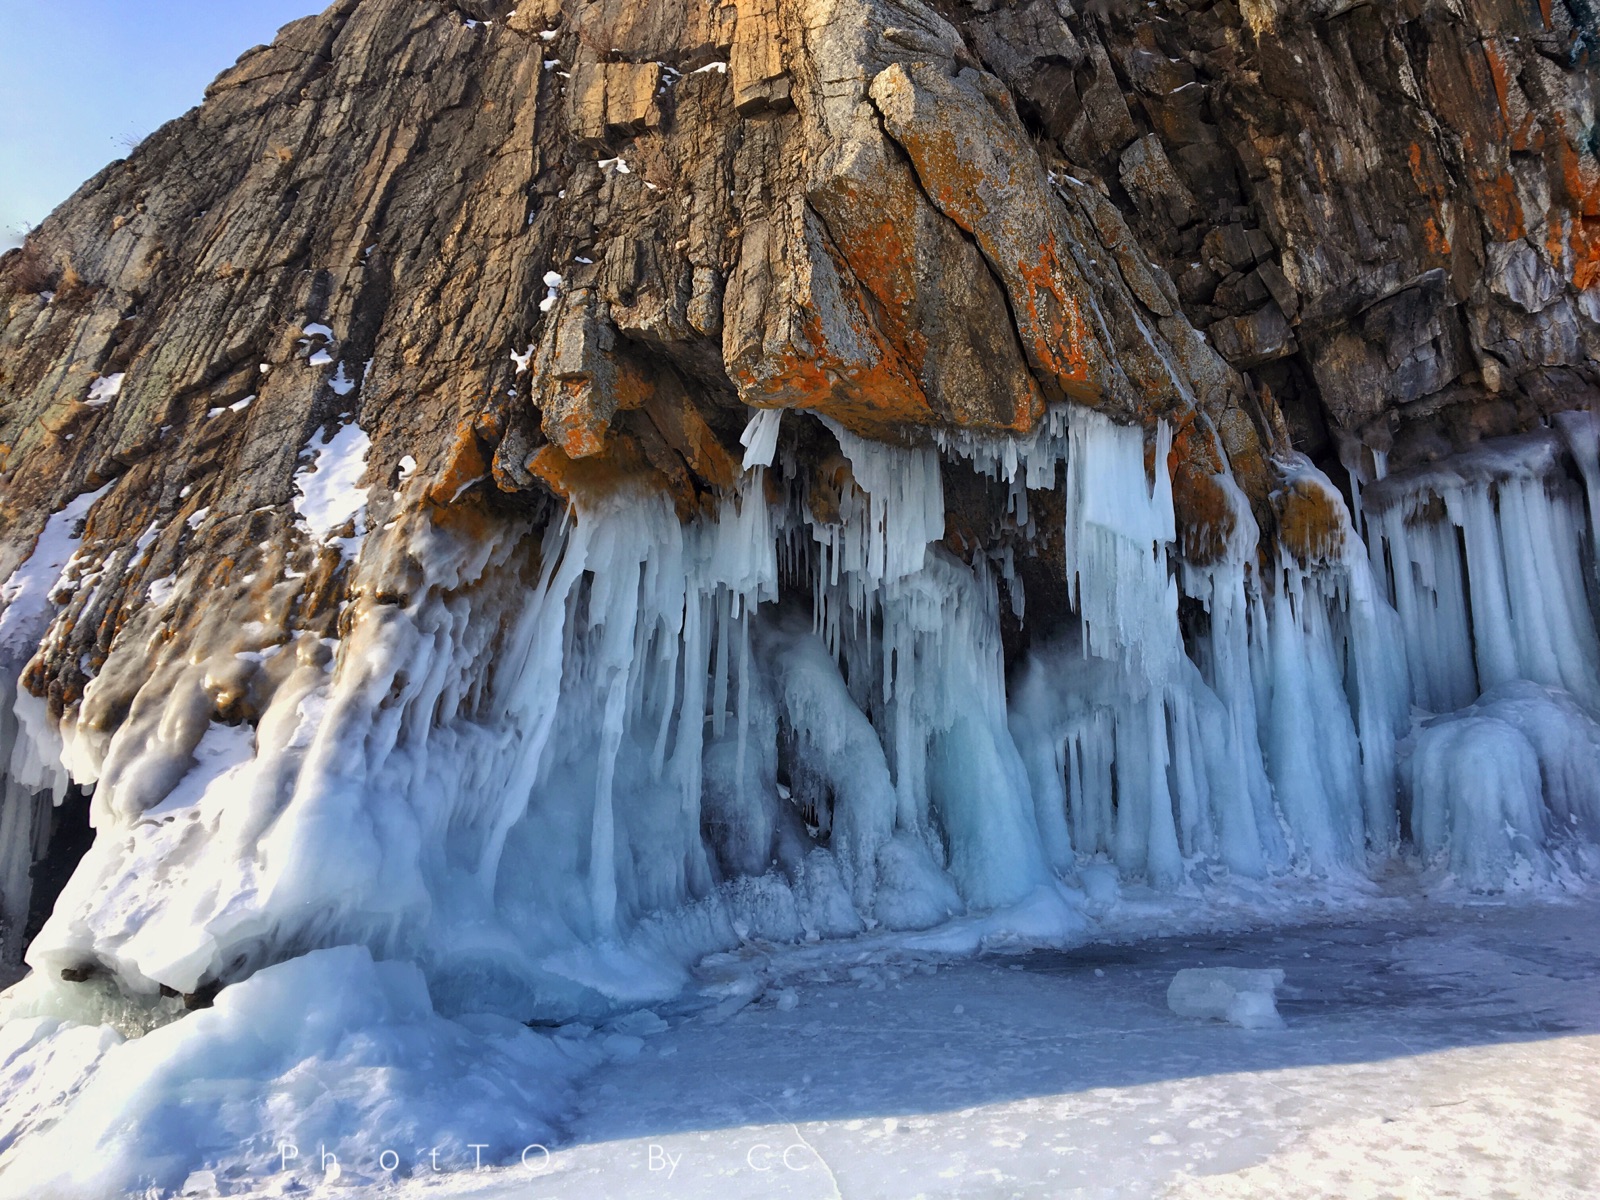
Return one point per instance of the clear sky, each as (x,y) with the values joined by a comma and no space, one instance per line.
(82,79)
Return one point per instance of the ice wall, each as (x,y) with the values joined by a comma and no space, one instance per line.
(564,762)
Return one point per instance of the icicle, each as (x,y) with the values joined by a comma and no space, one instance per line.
(1118,529)
(760,438)
(1495,533)
(1581,430)
(903,503)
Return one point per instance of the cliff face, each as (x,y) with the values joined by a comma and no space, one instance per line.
(907,219)
(476,265)
(1384,219)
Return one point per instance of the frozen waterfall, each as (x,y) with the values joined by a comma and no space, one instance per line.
(568,761)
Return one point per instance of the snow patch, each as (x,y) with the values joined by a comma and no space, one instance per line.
(327,496)
(105,389)
(341,384)
(26,594)
(552,283)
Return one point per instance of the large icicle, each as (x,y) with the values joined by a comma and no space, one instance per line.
(1486,552)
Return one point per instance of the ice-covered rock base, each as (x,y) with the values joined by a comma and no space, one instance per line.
(546,770)
(327,1055)
(555,766)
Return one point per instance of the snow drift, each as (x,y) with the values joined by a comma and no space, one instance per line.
(329,1066)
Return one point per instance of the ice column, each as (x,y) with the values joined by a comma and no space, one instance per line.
(1485,554)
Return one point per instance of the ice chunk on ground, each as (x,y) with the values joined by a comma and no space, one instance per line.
(96,1002)
(1239,995)
(640,1023)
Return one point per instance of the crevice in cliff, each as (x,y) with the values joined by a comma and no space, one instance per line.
(70,837)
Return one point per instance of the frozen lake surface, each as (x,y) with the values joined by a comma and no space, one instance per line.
(1429,1050)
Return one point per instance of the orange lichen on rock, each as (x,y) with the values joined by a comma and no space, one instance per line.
(1438,244)
(1572,236)
(631,387)
(594,478)
(1584,242)
(1460,79)
(1426,174)
(465,464)
(883,262)
(1502,209)
(869,387)
(1523,125)
(1203,506)
(682,428)
(1579,174)
(1242,443)
(1310,526)
(963,140)
(872,399)
(1194,444)
(1205,515)
(1057,340)
(575,425)
(1049,321)
(906,265)
(468,518)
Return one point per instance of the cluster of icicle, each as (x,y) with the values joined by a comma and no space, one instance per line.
(573,759)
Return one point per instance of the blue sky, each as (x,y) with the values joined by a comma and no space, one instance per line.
(80,79)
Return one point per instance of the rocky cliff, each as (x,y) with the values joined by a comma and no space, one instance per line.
(332,363)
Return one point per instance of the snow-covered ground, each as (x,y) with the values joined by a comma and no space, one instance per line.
(1430,1050)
